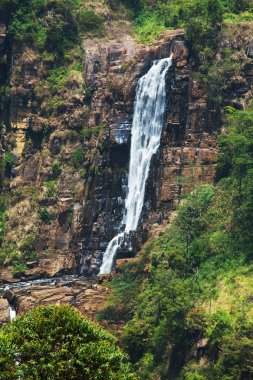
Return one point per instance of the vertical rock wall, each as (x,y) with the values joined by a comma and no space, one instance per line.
(88,205)
(188,148)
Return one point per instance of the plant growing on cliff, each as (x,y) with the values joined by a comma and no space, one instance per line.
(45,215)
(56,169)
(51,188)
(58,343)
(52,25)
(77,157)
(195,280)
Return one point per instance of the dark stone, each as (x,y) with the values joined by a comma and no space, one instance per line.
(8,295)
(249,50)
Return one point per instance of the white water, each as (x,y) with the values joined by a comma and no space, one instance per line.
(146,135)
(13,313)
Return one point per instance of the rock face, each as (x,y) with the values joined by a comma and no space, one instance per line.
(69,178)
(4,311)
(188,148)
(86,296)
(188,151)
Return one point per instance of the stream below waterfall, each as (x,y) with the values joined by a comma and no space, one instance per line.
(39,282)
(42,281)
(148,120)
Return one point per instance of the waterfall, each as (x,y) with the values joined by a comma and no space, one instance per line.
(147,127)
(13,312)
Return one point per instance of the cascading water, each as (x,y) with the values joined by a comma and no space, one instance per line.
(146,134)
(13,312)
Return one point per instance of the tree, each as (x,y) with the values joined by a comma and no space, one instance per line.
(56,342)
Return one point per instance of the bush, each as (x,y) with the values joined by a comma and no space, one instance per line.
(58,343)
(202,259)
(27,244)
(46,216)
(87,133)
(52,25)
(77,158)
(18,267)
(90,22)
(56,170)
(52,189)
(148,26)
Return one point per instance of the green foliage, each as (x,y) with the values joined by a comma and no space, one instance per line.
(217,76)
(53,28)
(237,18)
(18,266)
(51,188)
(46,216)
(89,133)
(236,160)
(237,6)
(77,158)
(52,25)
(8,160)
(202,27)
(133,4)
(201,19)
(199,276)
(90,22)
(2,217)
(148,26)
(17,255)
(9,253)
(58,343)
(83,173)
(27,244)
(57,79)
(56,170)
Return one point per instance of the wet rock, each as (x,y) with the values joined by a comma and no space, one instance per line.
(8,295)
(4,311)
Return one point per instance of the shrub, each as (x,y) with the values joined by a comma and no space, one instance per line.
(27,244)
(90,22)
(9,159)
(46,216)
(77,158)
(18,267)
(52,25)
(148,26)
(52,189)
(87,133)
(58,343)
(56,170)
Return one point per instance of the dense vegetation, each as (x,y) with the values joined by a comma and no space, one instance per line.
(53,28)
(52,25)
(199,278)
(199,17)
(192,283)
(58,343)
(202,20)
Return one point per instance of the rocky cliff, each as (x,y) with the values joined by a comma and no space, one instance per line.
(71,150)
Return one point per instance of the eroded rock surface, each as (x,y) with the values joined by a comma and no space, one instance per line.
(86,296)
(72,217)
(4,311)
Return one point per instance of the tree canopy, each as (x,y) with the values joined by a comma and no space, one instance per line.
(58,343)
